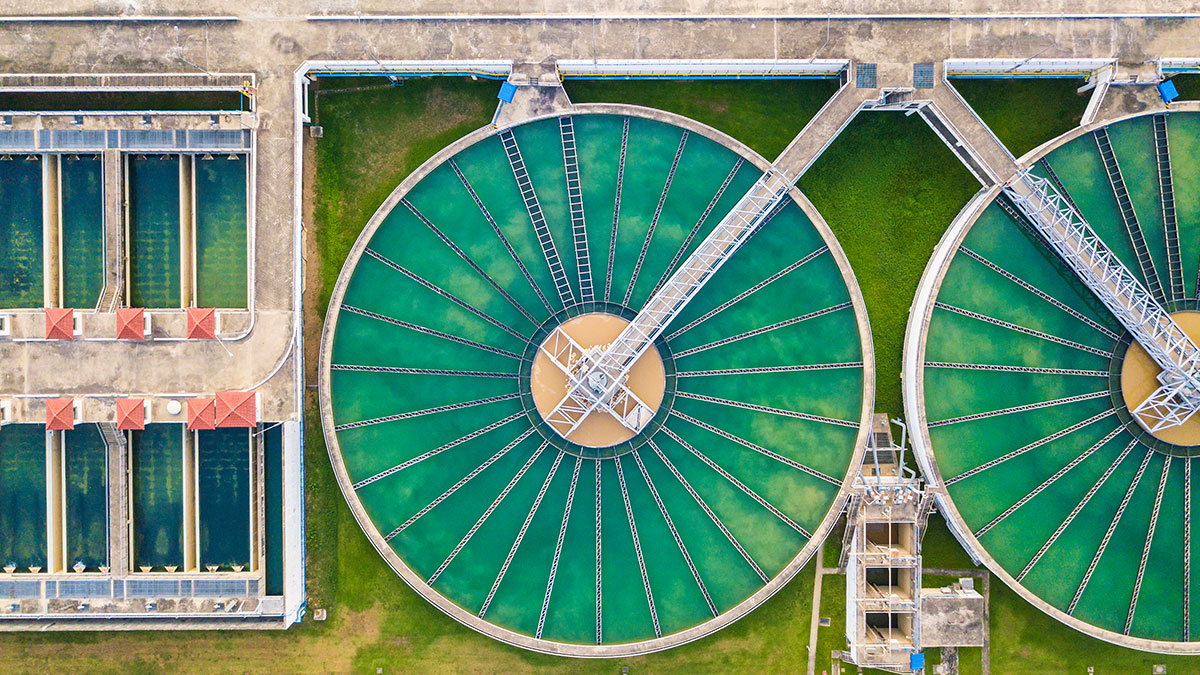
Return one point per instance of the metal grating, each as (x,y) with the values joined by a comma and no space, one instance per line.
(923,75)
(20,589)
(864,76)
(12,139)
(82,588)
(151,588)
(73,139)
(214,588)
(219,138)
(147,138)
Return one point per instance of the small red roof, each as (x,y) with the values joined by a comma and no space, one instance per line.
(131,413)
(60,323)
(236,409)
(60,414)
(201,413)
(201,323)
(131,323)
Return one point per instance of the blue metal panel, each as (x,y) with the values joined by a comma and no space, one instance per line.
(864,76)
(923,75)
(507,89)
(916,661)
(1167,91)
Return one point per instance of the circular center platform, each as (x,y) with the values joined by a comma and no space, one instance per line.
(549,382)
(1139,378)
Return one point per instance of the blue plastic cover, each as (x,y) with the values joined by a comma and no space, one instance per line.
(1167,91)
(916,661)
(507,89)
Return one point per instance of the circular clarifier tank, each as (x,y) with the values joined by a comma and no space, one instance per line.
(1021,384)
(478,296)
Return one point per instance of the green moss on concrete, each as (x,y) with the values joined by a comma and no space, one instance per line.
(764,114)
(1025,112)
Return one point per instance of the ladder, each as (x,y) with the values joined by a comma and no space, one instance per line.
(1128,216)
(537,218)
(583,264)
(1166,188)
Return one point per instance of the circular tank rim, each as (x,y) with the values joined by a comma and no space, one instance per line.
(913,377)
(521,640)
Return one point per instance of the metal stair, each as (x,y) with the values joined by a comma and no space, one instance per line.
(1166,190)
(583,263)
(1125,206)
(539,220)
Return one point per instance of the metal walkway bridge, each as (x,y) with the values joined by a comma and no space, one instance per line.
(598,381)
(1070,235)
(605,376)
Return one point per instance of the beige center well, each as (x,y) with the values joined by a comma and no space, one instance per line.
(1139,378)
(548,383)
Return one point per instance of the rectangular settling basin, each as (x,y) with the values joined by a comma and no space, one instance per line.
(86,467)
(158,495)
(223,478)
(221,244)
(21,255)
(23,496)
(82,230)
(153,230)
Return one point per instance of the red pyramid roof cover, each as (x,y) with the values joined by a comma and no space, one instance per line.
(236,409)
(131,413)
(201,413)
(60,323)
(201,323)
(60,414)
(131,324)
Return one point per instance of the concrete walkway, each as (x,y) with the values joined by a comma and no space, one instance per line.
(816,611)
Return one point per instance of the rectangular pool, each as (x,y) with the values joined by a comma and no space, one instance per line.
(153,230)
(82,230)
(23,496)
(223,477)
(221,230)
(272,439)
(157,475)
(86,466)
(21,263)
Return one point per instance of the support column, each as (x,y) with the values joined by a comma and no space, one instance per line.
(51,232)
(187,230)
(114,230)
(55,506)
(191,510)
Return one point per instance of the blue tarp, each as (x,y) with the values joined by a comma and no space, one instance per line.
(916,661)
(1167,91)
(507,89)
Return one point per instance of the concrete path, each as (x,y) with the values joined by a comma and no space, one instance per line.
(816,611)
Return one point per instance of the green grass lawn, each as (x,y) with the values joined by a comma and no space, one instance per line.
(764,114)
(1188,87)
(888,187)
(1025,112)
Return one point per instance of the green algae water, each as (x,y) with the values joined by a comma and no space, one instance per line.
(1045,466)
(85,464)
(488,506)
(23,496)
(153,227)
(223,478)
(221,194)
(21,261)
(82,230)
(157,473)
